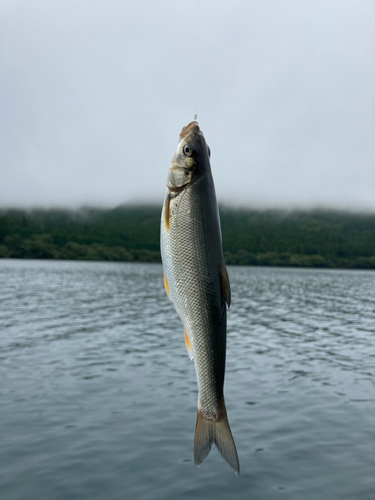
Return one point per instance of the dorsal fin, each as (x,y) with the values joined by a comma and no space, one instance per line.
(225,285)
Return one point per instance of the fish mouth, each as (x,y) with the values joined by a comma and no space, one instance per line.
(192,127)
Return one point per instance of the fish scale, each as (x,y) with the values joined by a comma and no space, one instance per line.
(196,295)
(195,272)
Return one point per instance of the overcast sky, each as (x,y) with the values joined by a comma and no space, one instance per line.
(94,93)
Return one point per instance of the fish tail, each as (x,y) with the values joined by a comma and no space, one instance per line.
(217,432)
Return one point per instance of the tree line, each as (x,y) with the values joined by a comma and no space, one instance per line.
(318,238)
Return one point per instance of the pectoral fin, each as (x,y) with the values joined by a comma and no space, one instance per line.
(167,211)
(225,286)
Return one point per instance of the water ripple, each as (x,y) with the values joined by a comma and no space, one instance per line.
(98,393)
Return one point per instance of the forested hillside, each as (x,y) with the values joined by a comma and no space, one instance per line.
(317,238)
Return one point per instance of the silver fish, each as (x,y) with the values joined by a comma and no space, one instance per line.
(197,283)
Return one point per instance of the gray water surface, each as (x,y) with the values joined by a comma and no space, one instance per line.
(98,395)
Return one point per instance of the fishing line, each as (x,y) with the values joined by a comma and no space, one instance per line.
(197,59)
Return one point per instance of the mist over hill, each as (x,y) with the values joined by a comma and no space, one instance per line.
(316,238)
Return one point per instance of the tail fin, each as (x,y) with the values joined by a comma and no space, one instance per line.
(217,432)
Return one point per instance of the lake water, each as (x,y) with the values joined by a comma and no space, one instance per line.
(98,395)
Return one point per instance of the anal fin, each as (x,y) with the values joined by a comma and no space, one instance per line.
(188,345)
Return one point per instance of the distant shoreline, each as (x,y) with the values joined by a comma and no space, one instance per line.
(361,267)
(303,239)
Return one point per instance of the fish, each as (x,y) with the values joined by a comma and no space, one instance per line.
(197,283)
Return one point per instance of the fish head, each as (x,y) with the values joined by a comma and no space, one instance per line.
(190,160)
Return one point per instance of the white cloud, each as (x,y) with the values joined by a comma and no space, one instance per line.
(93,96)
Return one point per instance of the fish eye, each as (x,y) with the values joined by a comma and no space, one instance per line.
(188,149)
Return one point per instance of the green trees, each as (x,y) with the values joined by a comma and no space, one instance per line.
(250,237)
(86,234)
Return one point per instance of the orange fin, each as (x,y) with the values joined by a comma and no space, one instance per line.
(225,285)
(166,211)
(166,285)
(188,345)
